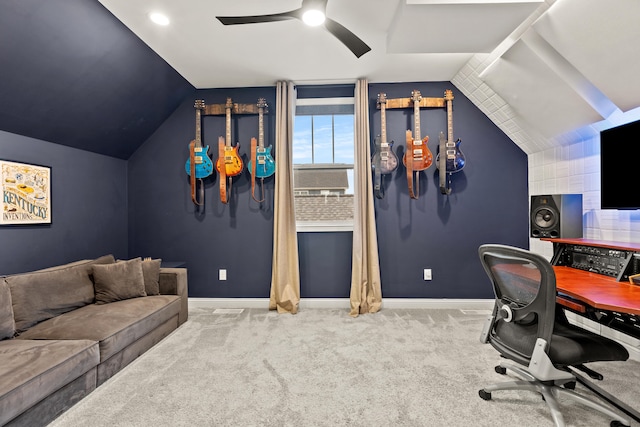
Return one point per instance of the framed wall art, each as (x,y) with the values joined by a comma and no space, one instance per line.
(26,193)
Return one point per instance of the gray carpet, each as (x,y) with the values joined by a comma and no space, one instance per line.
(324,368)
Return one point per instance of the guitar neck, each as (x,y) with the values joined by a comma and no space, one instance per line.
(228,135)
(261,127)
(198,128)
(383,123)
(449,121)
(416,120)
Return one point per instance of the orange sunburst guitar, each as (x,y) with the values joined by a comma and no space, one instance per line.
(229,163)
(231,160)
(417,156)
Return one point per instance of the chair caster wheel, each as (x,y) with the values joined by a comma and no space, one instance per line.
(501,370)
(571,385)
(485,395)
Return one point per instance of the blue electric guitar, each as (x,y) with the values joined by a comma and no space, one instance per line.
(450,158)
(202,165)
(265,166)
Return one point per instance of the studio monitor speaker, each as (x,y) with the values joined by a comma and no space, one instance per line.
(556,216)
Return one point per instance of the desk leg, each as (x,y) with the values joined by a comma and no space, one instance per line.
(607,396)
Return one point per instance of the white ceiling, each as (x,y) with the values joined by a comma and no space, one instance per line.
(411,40)
(558,64)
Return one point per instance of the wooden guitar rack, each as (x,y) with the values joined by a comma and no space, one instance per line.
(220,109)
(408,102)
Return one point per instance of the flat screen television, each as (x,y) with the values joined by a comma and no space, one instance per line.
(619,172)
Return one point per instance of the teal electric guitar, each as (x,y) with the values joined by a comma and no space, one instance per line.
(203,165)
(265,166)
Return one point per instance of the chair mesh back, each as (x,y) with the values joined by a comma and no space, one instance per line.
(516,280)
(525,282)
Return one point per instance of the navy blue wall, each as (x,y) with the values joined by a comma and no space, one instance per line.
(142,207)
(489,203)
(165,223)
(75,75)
(89,207)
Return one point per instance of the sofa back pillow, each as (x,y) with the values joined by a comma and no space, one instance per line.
(119,281)
(151,274)
(45,294)
(7,325)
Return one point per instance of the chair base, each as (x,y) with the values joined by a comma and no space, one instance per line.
(550,391)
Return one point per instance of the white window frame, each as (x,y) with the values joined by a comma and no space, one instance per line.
(325,226)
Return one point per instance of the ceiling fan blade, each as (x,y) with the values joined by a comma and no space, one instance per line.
(350,40)
(237,20)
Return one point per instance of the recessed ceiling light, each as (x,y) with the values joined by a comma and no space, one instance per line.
(159,18)
(313,17)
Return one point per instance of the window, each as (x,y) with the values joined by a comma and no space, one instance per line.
(323,136)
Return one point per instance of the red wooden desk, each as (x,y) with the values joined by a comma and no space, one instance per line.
(597,291)
(600,298)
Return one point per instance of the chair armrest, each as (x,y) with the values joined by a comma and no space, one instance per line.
(173,281)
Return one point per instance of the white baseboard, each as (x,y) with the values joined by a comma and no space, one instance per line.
(343,303)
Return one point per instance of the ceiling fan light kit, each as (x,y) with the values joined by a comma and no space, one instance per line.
(313,18)
(312,10)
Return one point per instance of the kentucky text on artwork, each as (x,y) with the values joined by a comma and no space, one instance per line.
(26,193)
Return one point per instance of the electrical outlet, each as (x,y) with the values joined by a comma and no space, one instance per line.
(427,274)
(222,274)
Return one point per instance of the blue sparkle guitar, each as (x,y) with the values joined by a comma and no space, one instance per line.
(202,165)
(265,166)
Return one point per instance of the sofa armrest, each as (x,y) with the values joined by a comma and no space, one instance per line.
(173,281)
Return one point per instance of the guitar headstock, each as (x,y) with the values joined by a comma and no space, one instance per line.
(416,96)
(229,104)
(199,105)
(382,99)
(448,95)
(262,103)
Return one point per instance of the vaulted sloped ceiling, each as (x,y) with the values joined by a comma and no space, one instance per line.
(576,65)
(73,74)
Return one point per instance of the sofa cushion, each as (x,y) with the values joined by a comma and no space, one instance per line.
(32,370)
(7,325)
(41,295)
(105,259)
(151,273)
(119,281)
(115,325)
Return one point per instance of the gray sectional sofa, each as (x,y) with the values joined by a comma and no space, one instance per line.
(66,330)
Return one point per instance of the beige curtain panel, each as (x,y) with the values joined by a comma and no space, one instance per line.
(285,271)
(366,292)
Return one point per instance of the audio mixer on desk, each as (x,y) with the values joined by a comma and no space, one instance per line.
(605,261)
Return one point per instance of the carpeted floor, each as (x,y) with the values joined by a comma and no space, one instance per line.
(323,368)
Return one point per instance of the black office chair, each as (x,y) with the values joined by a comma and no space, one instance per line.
(533,335)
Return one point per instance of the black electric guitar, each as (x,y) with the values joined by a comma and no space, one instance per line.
(450,158)
(384,160)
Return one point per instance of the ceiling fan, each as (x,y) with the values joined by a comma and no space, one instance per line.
(309,10)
